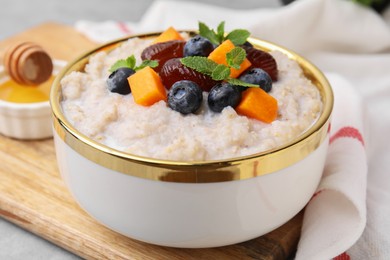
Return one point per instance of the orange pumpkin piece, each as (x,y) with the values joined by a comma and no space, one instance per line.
(219,56)
(258,104)
(169,34)
(146,87)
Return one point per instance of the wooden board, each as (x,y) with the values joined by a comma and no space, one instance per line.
(33,196)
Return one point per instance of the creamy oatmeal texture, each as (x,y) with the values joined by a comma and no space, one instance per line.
(159,132)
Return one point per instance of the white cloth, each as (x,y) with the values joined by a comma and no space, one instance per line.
(351,44)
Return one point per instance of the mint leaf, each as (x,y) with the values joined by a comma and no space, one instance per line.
(127,63)
(118,64)
(235,57)
(130,62)
(147,63)
(206,32)
(241,83)
(200,64)
(220,72)
(238,36)
(221,31)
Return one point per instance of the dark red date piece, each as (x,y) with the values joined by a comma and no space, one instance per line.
(163,51)
(263,60)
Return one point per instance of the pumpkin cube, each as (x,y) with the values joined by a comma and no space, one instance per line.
(169,34)
(258,104)
(146,87)
(219,56)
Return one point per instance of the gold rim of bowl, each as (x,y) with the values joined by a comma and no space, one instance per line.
(238,168)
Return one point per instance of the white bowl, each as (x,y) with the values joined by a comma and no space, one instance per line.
(26,120)
(192,204)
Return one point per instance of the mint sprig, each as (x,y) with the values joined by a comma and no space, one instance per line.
(235,57)
(208,33)
(221,32)
(130,62)
(147,63)
(239,82)
(237,37)
(218,72)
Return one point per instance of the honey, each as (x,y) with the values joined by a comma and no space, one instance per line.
(12,91)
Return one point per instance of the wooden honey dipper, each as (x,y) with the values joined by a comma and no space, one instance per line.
(28,63)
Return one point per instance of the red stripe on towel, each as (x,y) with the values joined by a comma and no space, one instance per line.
(350,132)
(315,195)
(343,256)
(123,27)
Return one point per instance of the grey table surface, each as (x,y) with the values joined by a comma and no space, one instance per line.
(19,15)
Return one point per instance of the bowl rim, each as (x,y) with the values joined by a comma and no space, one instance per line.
(236,168)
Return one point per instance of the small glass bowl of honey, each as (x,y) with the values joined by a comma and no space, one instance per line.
(25,110)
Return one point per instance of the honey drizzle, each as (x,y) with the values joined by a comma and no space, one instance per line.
(12,91)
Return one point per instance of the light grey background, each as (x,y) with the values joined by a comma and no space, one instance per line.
(19,15)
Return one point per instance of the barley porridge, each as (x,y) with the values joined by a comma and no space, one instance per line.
(159,132)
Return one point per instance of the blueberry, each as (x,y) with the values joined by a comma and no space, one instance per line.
(117,81)
(259,77)
(185,96)
(222,95)
(198,46)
